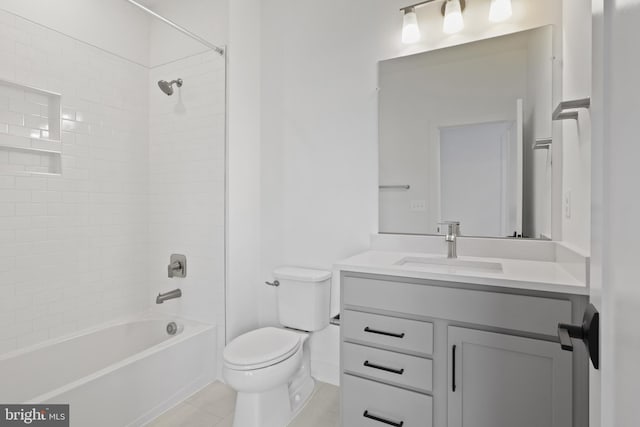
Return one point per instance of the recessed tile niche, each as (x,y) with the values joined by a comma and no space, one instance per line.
(29,130)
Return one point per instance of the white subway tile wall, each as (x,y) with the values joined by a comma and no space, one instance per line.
(92,244)
(187,185)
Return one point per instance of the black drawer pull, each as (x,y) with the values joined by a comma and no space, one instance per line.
(389,334)
(382,420)
(383,368)
(453,368)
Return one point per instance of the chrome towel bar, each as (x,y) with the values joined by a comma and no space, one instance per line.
(394,187)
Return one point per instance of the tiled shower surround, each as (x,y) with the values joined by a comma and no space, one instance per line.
(187,182)
(140,179)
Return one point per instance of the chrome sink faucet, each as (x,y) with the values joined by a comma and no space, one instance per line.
(451,237)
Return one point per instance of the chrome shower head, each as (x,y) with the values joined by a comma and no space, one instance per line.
(167,87)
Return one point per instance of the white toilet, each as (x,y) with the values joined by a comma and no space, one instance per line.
(269,367)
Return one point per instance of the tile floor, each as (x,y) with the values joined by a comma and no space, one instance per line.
(213,407)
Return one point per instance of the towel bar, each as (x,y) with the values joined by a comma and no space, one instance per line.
(561,113)
(394,187)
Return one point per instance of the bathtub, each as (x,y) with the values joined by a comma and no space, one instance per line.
(121,374)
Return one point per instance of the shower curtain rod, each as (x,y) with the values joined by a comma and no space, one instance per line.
(178,27)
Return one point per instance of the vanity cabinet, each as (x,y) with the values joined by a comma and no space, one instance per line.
(504,380)
(417,352)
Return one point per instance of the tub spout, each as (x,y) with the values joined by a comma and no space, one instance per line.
(176,293)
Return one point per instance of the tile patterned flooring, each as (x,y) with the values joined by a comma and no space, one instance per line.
(213,407)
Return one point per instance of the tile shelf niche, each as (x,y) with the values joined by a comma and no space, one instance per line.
(30,130)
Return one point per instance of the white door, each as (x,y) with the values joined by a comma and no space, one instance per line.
(615,273)
(475,160)
(498,380)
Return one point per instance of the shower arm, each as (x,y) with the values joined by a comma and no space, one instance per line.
(178,27)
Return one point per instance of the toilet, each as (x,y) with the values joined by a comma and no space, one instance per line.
(269,367)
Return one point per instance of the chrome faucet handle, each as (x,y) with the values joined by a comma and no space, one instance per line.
(453,229)
(177,266)
(174,267)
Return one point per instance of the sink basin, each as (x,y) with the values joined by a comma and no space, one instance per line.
(447,265)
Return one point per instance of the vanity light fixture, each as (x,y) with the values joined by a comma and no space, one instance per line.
(410,29)
(451,10)
(500,10)
(453,21)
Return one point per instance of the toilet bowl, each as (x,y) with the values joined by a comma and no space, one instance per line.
(270,367)
(272,383)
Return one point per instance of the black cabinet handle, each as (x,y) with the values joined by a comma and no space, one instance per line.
(453,368)
(382,420)
(383,368)
(389,334)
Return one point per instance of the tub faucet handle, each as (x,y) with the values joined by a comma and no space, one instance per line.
(177,266)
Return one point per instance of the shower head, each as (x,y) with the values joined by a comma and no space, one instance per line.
(167,87)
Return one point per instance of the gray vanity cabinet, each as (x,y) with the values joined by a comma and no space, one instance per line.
(425,353)
(504,380)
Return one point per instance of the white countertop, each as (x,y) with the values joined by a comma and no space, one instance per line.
(516,273)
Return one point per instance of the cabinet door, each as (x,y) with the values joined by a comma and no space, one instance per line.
(498,380)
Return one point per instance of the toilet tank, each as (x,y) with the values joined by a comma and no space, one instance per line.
(303,297)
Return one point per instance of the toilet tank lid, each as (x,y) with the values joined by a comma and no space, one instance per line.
(301,274)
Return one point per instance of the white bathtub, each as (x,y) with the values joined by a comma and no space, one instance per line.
(122,374)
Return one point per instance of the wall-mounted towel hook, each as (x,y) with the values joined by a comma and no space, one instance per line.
(566,109)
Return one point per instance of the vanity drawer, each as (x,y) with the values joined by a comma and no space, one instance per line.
(501,310)
(371,404)
(404,334)
(397,368)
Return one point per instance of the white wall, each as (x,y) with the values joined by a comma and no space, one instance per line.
(243,186)
(576,136)
(319,132)
(73,247)
(92,21)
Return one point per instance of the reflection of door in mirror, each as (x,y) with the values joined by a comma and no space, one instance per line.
(478,178)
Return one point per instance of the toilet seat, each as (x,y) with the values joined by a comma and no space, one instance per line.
(261,348)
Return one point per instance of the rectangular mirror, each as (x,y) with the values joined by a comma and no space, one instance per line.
(465,135)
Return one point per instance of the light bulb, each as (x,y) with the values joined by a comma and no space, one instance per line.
(410,30)
(453,21)
(500,10)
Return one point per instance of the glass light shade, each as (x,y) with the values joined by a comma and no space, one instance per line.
(500,10)
(453,21)
(410,30)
